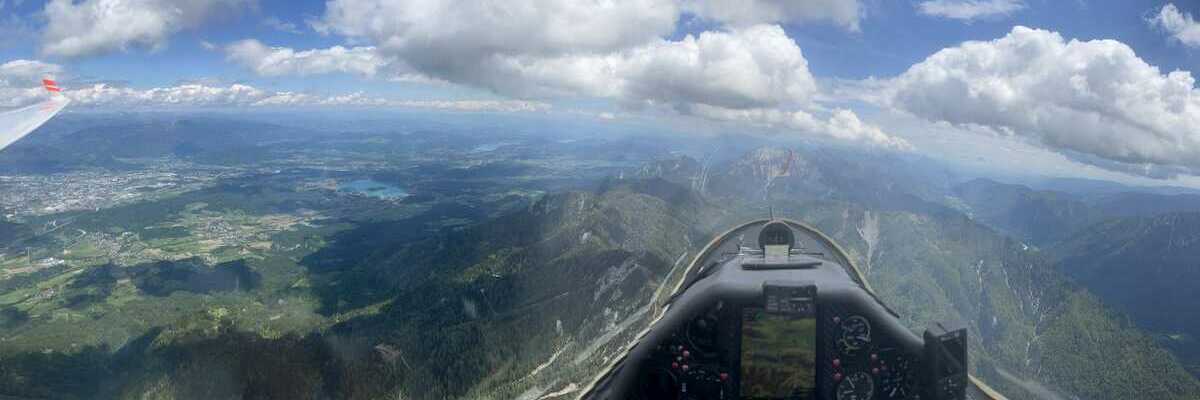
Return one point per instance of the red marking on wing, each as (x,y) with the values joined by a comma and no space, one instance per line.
(51,85)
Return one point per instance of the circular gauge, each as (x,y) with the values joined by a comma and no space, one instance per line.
(855,334)
(896,383)
(856,386)
(702,334)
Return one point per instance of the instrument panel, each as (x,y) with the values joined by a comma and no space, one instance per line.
(790,319)
(790,345)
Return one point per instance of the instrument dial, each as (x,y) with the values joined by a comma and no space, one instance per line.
(702,334)
(896,382)
(856,386)
(854,335)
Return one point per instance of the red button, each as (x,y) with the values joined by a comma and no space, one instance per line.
(837,363)
(724,376)
(837,376)
(684,367)
(674,365)
(687,353)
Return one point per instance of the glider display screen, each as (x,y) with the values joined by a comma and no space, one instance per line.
(778,355)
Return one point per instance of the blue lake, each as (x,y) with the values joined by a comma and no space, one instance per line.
(372,188)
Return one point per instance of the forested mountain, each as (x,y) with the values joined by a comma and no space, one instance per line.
(1035,216)
(1043,217)
(1146,267)
(534,302)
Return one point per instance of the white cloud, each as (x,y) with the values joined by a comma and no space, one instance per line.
(475,105)
(276,61)
(755,75)
(1094,97)
(12,97)
(26,73)
(613,50)
(238,95)
(1178,24)
(751,67)
(747,68)
(92,27)
(181,95)
(968,10)
(473,30)
(842,124)
(282,26)
(845,13)
(21,81)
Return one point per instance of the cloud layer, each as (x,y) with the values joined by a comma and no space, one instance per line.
(201,95)
(610,50)
(20,85)
(92,27)
(844,13)
(276,61)
(1091,97)
(1179,25)
(968,10)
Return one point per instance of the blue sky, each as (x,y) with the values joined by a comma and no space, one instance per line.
(1091,87)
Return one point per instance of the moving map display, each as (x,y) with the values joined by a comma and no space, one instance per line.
(778,355)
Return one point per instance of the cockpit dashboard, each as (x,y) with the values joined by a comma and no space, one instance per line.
(786,317)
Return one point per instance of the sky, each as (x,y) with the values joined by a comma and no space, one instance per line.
(1088,88)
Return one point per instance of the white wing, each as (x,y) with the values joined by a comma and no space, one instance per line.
(15,124)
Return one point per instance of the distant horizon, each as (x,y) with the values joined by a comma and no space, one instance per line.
(1097,88)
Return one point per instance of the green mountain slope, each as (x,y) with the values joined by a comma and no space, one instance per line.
(1035,216)
(1146,267)
(538,300)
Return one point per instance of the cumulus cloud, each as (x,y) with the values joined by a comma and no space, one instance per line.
(845,13)
(276,61)
(280,25)
(26,73)
(747,68)
(92,27)
(473,30)
(1095,97)
(12,97)
(842,124)
(968,10)
(21,81)
(1178,24)
(536,49)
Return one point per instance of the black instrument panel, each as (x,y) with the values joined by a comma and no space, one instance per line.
(789,344)
(791,319)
